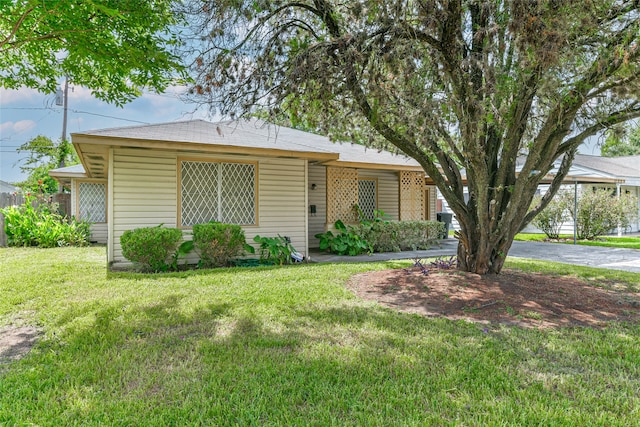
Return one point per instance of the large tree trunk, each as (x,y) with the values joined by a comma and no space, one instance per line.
(480,256)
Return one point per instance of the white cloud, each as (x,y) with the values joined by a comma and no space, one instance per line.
(79,93)
(17,127)
(24,94)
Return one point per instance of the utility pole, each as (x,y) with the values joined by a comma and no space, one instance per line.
(64,126)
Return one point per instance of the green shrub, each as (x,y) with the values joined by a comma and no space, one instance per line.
(601,211)
(551,218)
(152,248)
(33,224)
(275,249)
(393,236)
(218,243)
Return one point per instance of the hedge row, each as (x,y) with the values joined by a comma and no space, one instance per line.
(394,236)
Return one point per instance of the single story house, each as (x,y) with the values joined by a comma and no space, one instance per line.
(269,179)
(619,174)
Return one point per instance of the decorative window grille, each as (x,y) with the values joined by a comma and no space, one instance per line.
(222,192)
(367,196)
(92,205)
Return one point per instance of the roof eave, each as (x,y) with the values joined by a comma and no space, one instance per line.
(378,166)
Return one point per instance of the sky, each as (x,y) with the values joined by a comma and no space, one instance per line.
(26,113)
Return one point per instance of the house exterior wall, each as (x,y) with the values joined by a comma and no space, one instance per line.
(317,198)
(146,193)
(387,192)
(432,196)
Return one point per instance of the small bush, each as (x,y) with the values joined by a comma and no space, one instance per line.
(218,243)
(601,211)
(34,224)
(151,247)
(551,218)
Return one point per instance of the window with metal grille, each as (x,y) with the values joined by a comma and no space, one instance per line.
(212,191)
(367,198)
(92,204)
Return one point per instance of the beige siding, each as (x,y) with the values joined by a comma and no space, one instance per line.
(317,197)
(144,191)
(99,232)
(145,188)
(387,190)
(387,197)
(281,201)
(431,201)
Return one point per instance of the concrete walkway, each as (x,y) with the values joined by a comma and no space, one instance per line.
(590,256)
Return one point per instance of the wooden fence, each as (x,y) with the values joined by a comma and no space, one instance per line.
(63,201)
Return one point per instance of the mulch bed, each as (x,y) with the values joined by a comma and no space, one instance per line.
(512,297)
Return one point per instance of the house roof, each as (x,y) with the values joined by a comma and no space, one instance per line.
(623,167)
(252,137)
(5,187)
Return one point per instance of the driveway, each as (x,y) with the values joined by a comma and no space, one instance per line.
(591,256)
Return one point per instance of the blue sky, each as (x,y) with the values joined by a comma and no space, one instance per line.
(26,113)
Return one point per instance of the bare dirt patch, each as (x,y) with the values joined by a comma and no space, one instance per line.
(512,297)
(16,342)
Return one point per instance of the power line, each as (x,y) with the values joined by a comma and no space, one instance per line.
(110,117)
(75,111)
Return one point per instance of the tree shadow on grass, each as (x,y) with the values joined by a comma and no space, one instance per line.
(221,364)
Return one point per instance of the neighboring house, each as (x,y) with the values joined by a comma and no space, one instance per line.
(620,174)
(5,187)
(271,180)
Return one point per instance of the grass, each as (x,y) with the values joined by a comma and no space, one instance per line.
(605,241)
(288,346)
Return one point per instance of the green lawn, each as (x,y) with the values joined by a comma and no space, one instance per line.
(606,241)
(288,346)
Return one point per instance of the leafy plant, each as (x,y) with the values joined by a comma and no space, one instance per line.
(550,219)
(183,250)
(443,263)
(600,211)
(277,249)
(417,263)
(345,242)
(218,243)
(151,247)
(36,223)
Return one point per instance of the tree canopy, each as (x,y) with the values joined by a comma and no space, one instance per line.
(113,47)
(44,155)
(483,93)
(621,141)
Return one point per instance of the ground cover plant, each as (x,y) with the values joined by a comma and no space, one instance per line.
(294,346)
